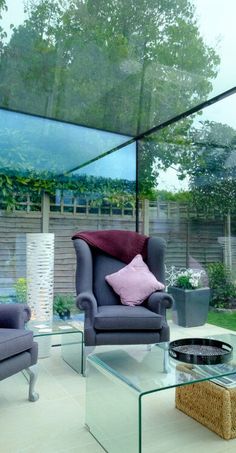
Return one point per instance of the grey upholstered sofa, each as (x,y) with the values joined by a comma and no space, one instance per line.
(18,351)
(107,321)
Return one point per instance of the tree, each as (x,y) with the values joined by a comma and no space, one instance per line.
(3,34)
(205,152)
(213,178)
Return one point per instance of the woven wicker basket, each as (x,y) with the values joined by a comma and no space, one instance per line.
(211,405)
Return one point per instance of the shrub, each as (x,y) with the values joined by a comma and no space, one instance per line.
(21,290)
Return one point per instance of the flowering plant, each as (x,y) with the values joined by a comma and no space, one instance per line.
(188,279)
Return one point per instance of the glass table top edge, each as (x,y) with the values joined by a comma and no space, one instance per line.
(144,378)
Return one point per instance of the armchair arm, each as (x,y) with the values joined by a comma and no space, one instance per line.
(158,302)
(14,316)
(87,302)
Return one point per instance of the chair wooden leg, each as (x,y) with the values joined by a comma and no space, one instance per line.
(33,375)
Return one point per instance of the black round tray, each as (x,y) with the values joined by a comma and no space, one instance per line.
(200,351)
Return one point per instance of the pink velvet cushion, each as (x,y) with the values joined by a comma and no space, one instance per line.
(134,282)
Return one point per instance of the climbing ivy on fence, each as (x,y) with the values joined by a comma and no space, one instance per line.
(98,189)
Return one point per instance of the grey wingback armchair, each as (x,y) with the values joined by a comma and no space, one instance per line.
(107,321)
(18,351)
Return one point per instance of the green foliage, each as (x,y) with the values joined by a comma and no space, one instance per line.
(21,290)
(205,153)
(223,291)
(213,176)
(181,196)
(115,191)
(3,34)
(62,303)
(183,282)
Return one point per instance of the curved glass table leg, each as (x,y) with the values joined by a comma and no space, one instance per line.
(112,411)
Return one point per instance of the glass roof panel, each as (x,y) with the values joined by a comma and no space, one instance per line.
(117,65)
(120,164)
(30,143)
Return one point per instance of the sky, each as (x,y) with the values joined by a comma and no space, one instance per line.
(14,15)
(216,20)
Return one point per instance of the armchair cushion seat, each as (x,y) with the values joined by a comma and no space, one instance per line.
(119,317)
(14,341)
(18,350)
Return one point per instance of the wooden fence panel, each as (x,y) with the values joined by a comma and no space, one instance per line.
(189,239)
(13,229)
(64,227)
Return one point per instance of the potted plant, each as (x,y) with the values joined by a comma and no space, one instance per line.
(62,305)
(191,300)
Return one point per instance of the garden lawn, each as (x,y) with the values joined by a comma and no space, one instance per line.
(222,319)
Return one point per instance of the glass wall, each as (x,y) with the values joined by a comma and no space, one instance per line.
(85,83)
(193,203)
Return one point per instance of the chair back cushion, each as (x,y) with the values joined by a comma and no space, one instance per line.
(103,265)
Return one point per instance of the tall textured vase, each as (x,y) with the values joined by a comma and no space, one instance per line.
(40,275)
(40,281)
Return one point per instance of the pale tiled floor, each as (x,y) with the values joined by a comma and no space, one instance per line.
(55,423)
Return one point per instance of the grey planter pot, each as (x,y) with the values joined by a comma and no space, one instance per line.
(191,306)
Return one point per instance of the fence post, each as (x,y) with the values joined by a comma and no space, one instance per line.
(228,242)
(45,209)
(145,208)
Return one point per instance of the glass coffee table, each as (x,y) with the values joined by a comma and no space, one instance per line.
(118,379)
(67,334)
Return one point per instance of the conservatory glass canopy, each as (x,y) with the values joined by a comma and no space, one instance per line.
(81,79)
(103,75)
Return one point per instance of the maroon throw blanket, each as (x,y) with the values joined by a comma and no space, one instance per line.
(123,245)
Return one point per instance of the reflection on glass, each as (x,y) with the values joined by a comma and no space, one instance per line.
(122,66)
(188,172)
(120,164)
